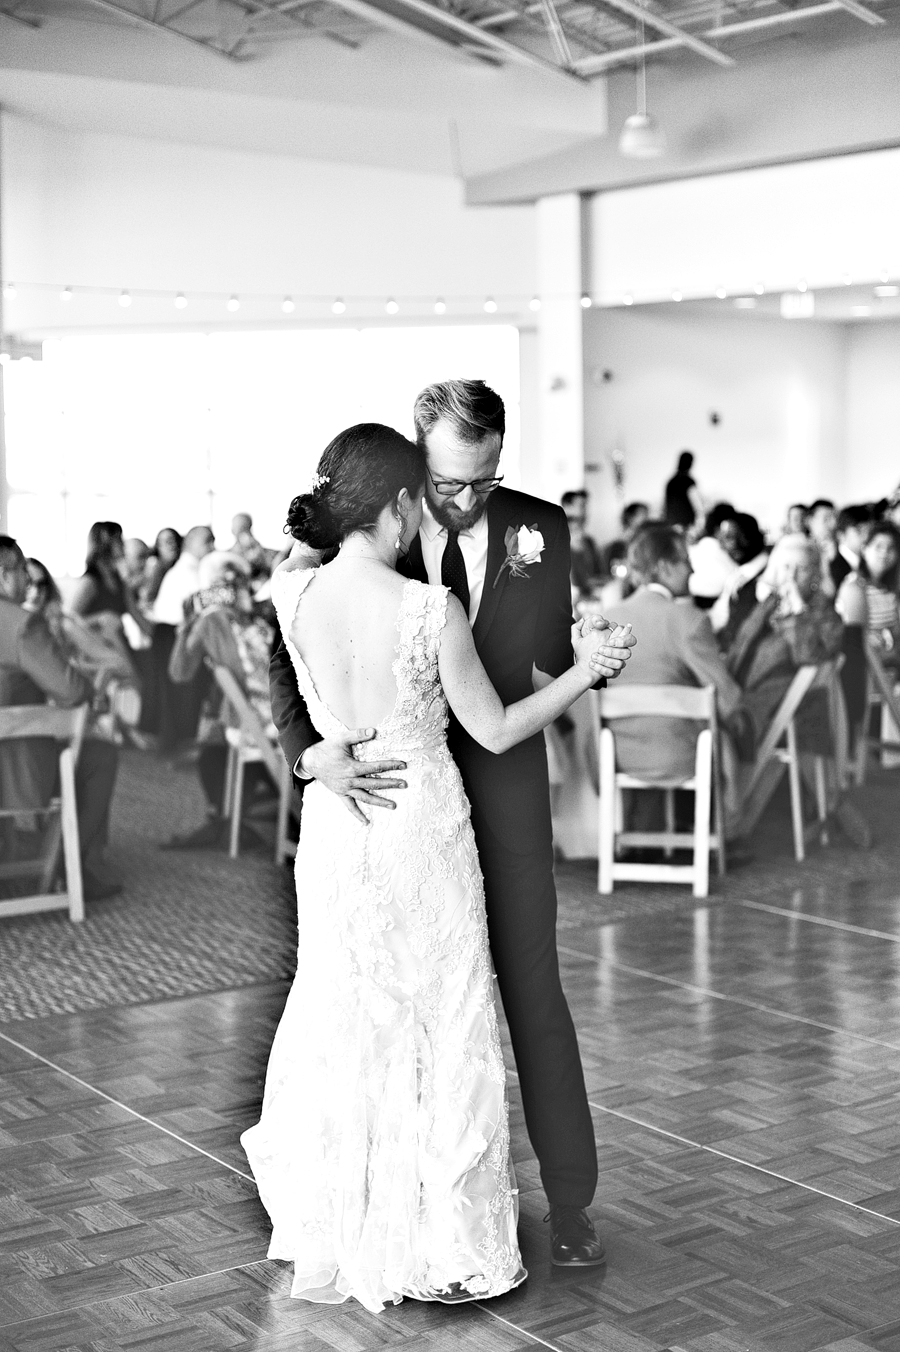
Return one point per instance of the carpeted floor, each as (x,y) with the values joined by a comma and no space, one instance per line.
(192,922)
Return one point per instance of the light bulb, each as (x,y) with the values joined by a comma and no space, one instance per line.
(802,285)
(721,292)
(233,304)
(759,289)
(287,306)
(847,279)
(9,291)
(885,276)
(392,307)
(676,295)
(586,302)
(440,306)
(66,294)
(628,300)
(124,299)
(534,303)
(338,307)
(490,306)
(641,138)
(180,301)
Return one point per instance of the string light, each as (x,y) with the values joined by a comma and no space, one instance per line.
(759,289)
(586,302)
(885,276)
(534,304)
(628,300)
(721,292)
(66,294)
(233,304)
(124,299)
(391,307)
(847,279)
(490,306)
(9,291)
(338,307)
(802,285)
(288,306)
(440,306)
(676,295)
(181,301)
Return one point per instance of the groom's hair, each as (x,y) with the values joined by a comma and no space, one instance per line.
(471,408)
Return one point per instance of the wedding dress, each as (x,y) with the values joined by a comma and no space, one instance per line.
(382,1152)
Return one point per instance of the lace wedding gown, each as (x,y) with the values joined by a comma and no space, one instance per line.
(382,1153)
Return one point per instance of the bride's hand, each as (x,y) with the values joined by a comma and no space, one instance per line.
(303,556)
(606,658)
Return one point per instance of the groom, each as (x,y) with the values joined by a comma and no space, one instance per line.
(515,588)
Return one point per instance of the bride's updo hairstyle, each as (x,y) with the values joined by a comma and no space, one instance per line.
(360,472)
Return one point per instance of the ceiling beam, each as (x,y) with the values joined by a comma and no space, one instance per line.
(484,37)
(862,12)
(142,22)
(557,35)
(295,20)
(653,20)
(404,27)
(594,65)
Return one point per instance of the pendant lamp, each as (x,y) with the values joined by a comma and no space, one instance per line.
(641,137)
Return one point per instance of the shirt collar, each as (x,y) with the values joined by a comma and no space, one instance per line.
(660,589)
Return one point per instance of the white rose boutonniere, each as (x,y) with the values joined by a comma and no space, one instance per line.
(524,547)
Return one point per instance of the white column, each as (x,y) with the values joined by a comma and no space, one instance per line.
(560,362)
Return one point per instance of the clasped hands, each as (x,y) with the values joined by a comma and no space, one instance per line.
(610,657)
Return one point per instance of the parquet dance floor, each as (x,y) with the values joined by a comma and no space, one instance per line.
(742,1061)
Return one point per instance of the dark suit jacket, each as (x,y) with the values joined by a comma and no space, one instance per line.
(33,669)
(522,622)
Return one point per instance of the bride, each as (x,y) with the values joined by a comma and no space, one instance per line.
(382,1153)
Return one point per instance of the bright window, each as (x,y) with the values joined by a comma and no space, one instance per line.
(181,429)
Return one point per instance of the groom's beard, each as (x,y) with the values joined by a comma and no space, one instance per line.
(448,515)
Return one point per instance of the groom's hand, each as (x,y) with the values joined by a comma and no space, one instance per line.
(332,763)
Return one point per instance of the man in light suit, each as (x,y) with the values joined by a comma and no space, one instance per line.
(677,647)
(481,540)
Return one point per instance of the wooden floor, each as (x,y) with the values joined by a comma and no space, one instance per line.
(741,1060)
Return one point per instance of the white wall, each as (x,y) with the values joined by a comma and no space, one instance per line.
(96,210)
(778,387)
(873,410)
(817,221)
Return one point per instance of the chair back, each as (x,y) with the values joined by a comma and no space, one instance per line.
(697,703)
(251,725)
(44,720)
(881,680)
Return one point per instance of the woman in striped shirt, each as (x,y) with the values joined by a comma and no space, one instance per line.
(870,597)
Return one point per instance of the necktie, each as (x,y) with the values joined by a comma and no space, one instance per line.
(453,569)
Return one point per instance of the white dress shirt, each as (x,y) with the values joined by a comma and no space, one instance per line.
(180,582)
(473,545)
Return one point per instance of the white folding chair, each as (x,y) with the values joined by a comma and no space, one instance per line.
(882,695)
(249,743)
(65,726)
(778,752)
(654,701)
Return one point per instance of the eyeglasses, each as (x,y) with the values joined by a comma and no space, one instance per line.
(450,488)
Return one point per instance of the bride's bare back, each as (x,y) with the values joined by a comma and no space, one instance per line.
(345,629)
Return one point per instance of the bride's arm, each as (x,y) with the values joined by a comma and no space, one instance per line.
(478,706)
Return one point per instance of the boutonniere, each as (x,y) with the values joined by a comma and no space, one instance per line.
(523,548)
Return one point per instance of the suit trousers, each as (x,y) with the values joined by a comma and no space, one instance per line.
(521,911)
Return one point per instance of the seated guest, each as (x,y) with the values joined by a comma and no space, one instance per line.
(103,595)
(177,706)
(634,514)
(821,522)
(711,567)
(247,547)
(34,669)
(676,646)
(136,556)
(221,629)
(849,533)
(92,652)
(870,596)
(586,564)
(162,556)
(795,522)
(742,539)
(794,625)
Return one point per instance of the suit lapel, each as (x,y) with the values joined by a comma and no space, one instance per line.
(499,519)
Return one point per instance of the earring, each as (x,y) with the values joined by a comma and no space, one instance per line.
(397,541)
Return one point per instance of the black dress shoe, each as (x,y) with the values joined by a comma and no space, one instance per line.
(573,1240)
